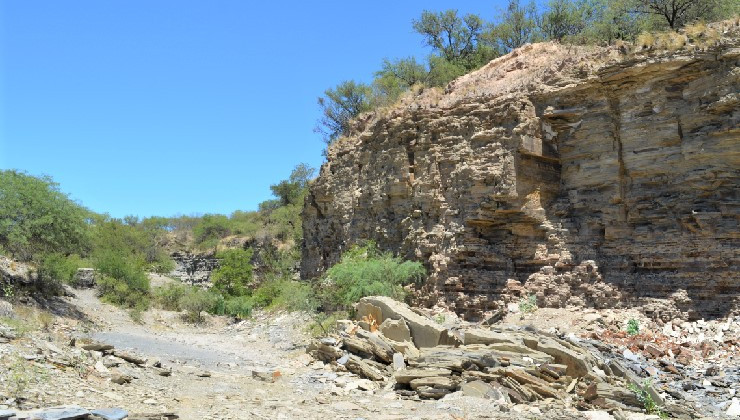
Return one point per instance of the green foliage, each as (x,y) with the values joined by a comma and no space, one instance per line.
(168,296)
(55,269)
(35,217)
(339,106)
(528,304)
(365,271)
(234,273)
(633,327)
(285,294)
(651,407)
(195,301)
(517,26)
(239,307)
(210,229)
(455,38)
(139,241)
(122,281)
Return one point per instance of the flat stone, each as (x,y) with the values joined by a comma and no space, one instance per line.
(61,413)
(131,358)
(111,413)
(398,361)
(407,375)
(6,414)
(438,382)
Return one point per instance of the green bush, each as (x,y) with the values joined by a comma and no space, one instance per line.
(234,273)
(365,271)
(196,300)
(285,294)
(210,229)
(122,281)
(239,307)
(55,269)
(168,296)
(633,327)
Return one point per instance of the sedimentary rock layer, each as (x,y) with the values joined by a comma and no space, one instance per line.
(582,175)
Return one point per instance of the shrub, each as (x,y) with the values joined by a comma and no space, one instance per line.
(55,269)
(122,280)
(195,301)
(234,273)
(211,228)
(168,296)
(239,307)
(528,304)
(365,271)
(285,294)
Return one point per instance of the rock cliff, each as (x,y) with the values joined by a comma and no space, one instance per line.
(583,175)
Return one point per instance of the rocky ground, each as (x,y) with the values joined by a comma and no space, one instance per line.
(92,355)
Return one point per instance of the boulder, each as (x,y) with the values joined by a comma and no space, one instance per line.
(424,331)
(84,278)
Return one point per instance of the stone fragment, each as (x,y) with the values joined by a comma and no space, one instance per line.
(84,278)
(480,389)
(734,409)
(94,345)
(131,358)
(440,382)
(358,366)
(398,361)
(378,345)
(6,414)
(120,378)
(407,375)
(396,330)
(432,393)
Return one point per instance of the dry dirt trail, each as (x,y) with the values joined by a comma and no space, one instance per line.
(212,372)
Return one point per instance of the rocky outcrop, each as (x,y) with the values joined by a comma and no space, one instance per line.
(194,269)
(582,175)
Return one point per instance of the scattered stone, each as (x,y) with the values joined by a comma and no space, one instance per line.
(60,413)
(120,378)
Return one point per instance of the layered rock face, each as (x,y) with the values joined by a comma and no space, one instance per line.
(194,269)
(581,175)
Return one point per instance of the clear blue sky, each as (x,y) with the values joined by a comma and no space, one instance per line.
(178,107)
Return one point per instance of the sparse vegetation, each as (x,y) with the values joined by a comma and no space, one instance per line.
(651,407)
(528,304)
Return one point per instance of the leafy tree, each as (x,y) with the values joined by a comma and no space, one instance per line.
(441,71)
(122,281)
(396,77)
(678,13)
(234,273)
(292,190)
(339,105)
(564,18)
(36,218)
(517,26)
(453,37)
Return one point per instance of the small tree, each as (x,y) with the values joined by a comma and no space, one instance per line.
(678,13)
(234,273)
(518,26)
(339,105)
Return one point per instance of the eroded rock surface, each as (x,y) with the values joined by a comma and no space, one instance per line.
(580,175)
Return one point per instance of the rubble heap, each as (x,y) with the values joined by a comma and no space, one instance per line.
(402,349)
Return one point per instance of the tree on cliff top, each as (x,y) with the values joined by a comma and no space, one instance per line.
(339,105)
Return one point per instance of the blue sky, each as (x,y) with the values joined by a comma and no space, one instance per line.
(180,107)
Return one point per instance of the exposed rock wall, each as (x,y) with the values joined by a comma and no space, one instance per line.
(582,175)
(194,269)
